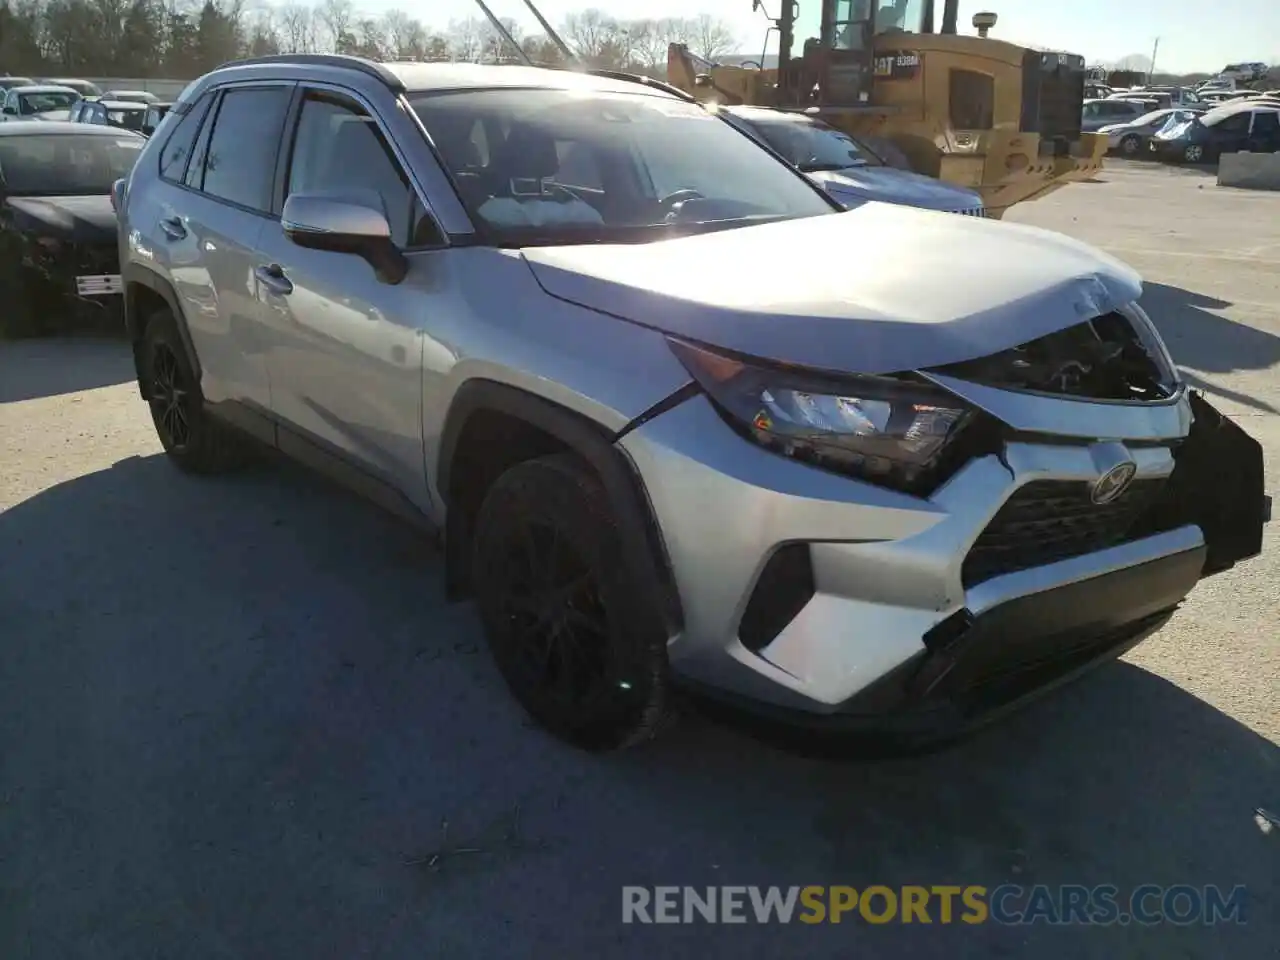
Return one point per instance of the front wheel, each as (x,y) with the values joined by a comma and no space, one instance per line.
(575,646)
(1130,145)
(1194,153)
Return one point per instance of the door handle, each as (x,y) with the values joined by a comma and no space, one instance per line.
(272,276)
(173,229)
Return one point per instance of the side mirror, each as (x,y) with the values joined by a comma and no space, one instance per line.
(343,223)
(12,111)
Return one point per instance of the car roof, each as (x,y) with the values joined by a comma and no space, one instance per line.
(416,77)
(1239,106)
(133,93)
(123,104)
(44,88)
(17,128)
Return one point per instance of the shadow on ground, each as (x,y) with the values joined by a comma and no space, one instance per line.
(1208,343)
(47,368)
(238,721)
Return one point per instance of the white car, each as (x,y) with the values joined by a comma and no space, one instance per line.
(1130,139)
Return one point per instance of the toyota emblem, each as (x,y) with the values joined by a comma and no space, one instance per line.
(1113,483)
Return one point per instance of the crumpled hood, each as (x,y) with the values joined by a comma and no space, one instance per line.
(890,185)
(78,219)
(877,289)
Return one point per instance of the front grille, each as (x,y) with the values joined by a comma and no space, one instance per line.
(972,212)
(1050,520)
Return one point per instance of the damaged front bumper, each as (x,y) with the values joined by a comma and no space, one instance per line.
(901,628)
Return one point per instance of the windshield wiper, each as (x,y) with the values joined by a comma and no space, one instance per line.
(828,167)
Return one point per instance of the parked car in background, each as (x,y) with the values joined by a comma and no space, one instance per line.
(1097,114)
(844,167)
(1130,139)
(112,113)
(1179,96)
(59,257)
(1097,91)
(85,88)
(1243,125)
(1154,100)
(38,103)
(133,96)
(155,112)
(1216,98)
(7,81)
(1244,72)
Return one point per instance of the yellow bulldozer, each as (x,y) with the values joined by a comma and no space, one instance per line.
(969,109)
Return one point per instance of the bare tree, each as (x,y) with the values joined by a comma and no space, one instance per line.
(650,39)
(336,16)
(709,37)
(466,39)
(297,29)
(595,37)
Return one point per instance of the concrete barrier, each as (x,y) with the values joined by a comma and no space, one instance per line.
(1250,171)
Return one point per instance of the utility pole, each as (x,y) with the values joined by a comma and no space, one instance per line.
(1154,50)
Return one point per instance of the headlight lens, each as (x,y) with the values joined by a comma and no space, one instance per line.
(880,429)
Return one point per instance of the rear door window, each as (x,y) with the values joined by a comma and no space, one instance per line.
(178,148)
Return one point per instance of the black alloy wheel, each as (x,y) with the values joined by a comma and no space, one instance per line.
(171,397)
(562,619)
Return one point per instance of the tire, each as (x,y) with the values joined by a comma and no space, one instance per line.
(193,440)
(1130,145)
(578,649)
(1194,153)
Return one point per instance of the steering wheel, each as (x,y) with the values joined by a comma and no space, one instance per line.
(669,202)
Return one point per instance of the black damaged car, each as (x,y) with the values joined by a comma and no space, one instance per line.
(59,261)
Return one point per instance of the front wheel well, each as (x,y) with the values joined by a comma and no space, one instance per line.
(493,426)
(141,304)
(489,443)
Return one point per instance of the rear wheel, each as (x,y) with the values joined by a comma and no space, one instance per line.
(191,438)
(577,649)
(1130,145)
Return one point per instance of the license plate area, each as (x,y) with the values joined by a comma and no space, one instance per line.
(99,285)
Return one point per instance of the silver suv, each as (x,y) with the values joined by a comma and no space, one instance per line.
(680,422)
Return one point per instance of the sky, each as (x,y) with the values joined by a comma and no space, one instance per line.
(1195,35)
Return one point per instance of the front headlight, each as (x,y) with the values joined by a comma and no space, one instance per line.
(883,430)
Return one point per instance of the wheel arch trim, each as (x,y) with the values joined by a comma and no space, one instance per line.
(643,547)
(133,273)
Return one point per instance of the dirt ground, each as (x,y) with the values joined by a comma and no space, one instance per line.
(238,721)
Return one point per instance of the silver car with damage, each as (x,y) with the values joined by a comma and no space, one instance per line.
(680,423)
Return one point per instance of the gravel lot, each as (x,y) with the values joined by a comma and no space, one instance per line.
(235,715)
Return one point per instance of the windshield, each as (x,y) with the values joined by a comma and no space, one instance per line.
(566,166)
(29,103)
(812,145)
(65,164)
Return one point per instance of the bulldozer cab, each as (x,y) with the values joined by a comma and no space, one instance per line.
(836,66)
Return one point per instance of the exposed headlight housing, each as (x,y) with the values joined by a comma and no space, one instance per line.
(888,431)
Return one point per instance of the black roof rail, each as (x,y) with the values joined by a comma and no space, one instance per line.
(638,78)
(343,61)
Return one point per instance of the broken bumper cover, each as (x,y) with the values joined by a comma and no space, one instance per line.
(876,643)
(976,669)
